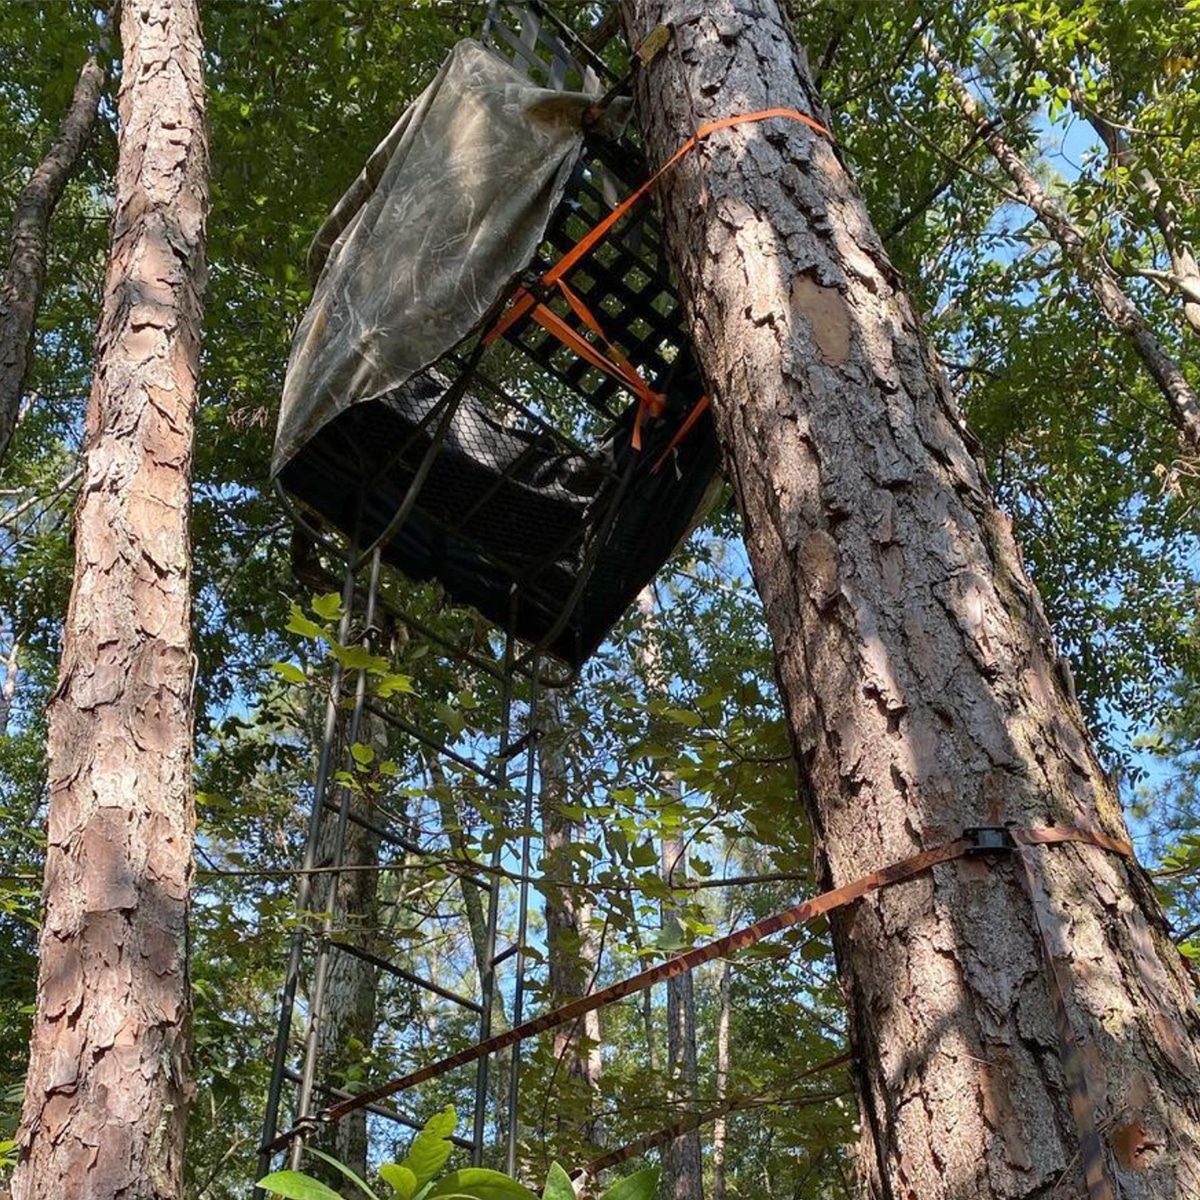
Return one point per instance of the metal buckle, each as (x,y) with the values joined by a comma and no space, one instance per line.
(989,839)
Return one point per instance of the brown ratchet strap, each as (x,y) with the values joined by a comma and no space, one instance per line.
(977,841)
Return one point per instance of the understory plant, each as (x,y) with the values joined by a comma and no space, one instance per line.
(418,1176)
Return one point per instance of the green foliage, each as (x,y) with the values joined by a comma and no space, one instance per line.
(1073,434)
(418,1176)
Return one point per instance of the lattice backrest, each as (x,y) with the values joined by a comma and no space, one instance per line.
(625,281)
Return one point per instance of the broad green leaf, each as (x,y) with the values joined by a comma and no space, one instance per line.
(452,718)
(558,1185)
(328,607)
(299,623)
(480,1183)
(359,658)
(391,683)
(636,1187)
(289,671)
(430,1148)
(295,1185)
(644,854)
(400,1179)
(363,755)
(337,1165)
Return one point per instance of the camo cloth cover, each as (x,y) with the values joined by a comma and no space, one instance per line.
(451,207)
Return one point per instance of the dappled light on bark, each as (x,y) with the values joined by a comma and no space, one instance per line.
(923,689)
(107,1088)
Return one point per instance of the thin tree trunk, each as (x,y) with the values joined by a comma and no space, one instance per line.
(8,690)
(684,1161)
(916,666)
(347,1029)
(107,1091)
(21,283)
(571,946)
(472,897)
(1092,268)
(720,1137)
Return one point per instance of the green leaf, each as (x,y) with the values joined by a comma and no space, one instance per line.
(357,1180)
(636,1187)
(295,1185)
(480,1183)
(558,1185)
(391,683)
(644,854)
(359,658)
(400,1179)
(289,671)
(451,718)
(430,1148)
(299,623)
(328,607)
(363,755)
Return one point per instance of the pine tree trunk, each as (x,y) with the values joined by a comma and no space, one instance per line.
(21,283)
(347,1028)
(916,665)
(683,1166)
(107,1090)
(571,946)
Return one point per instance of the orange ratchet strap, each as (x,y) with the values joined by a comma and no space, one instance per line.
(614,363)
(698,410)
(975,842)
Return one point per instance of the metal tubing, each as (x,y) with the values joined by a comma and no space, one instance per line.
(400,973)
(514,1076)
(321,974)
(380,831)
(432,743)
(304,887)
(380,1110)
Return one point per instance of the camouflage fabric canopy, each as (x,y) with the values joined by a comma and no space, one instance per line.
(449,209)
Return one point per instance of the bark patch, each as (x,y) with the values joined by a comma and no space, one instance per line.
(825,311)
(1134,1145)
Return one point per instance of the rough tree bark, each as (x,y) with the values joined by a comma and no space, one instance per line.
(21,283)
(683,1163)
(1116,305)
(107,1090)
(917,667)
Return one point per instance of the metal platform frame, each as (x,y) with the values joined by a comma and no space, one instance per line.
(314,942)
(628,283)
